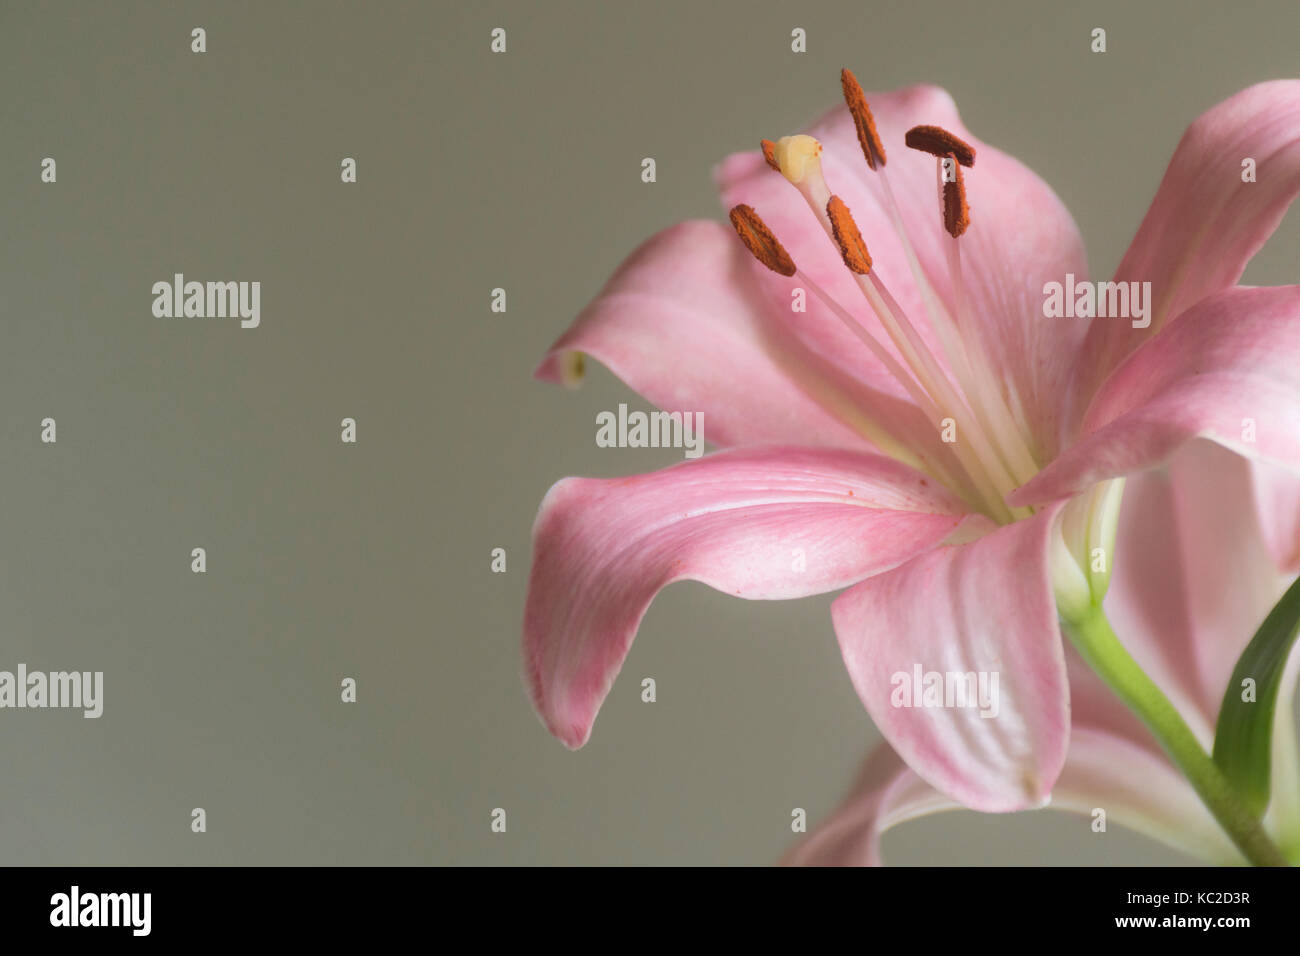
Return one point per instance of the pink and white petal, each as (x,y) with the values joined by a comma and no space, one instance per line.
(1277,501)
(1231,580)
(1147,601)
(1117,765)
(1020,237)
(984,608)
(1205,223)
(1113,763)
(679,322)
(1227,370)
(765,523)
(1139,788)
(682,323)
(1193,578)
(887,793)
(1136,787)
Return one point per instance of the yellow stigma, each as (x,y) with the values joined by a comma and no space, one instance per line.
(797,155)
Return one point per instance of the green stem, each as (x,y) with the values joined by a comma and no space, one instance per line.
(1096,641)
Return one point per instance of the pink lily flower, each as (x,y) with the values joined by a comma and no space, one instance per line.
(898,417)
(1193,579)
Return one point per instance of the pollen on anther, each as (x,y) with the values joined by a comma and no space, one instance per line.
(872,148)
(956,214)
(760,241)
(939,142)
(852,249)
(769,154)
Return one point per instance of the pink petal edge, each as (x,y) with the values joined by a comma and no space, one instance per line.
(985,607)
(766,523)
(1227,370)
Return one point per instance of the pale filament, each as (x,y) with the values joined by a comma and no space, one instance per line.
(980,385)
(800,156)
(900,374)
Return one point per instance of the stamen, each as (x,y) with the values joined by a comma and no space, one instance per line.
(939,142)
(993,456)
(886,441)
(977,378)
(767,249)
(769,154)
(803,155)
(865,123)
(989,405)
(900,375)
(956,214)
(847,236)
(900,450)
(760,241)
(986,469)
(800,160)
(940,320)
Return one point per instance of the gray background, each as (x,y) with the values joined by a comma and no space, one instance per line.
(328,560)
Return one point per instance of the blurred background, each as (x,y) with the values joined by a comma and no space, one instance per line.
(328,560)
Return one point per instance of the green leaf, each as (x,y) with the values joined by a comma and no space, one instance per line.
(1243,739)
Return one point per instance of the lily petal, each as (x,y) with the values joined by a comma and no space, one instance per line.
(1112,764)
(1135,786)
(1139,788)
(1205,223)
(1020,237)
(680,322)
(765,523)
(1277,499)
(1193,579)
(985,607)
(1228,370)
(887,792)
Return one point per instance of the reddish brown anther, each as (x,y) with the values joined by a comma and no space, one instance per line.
(769,154)
(759,240)
(852,249)
(956,214)
(939,142)
(865,123)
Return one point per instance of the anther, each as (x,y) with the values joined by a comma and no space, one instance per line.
(758,239)
(852,249)
(872,148)
(956,214)
(769,154)
(939,142)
